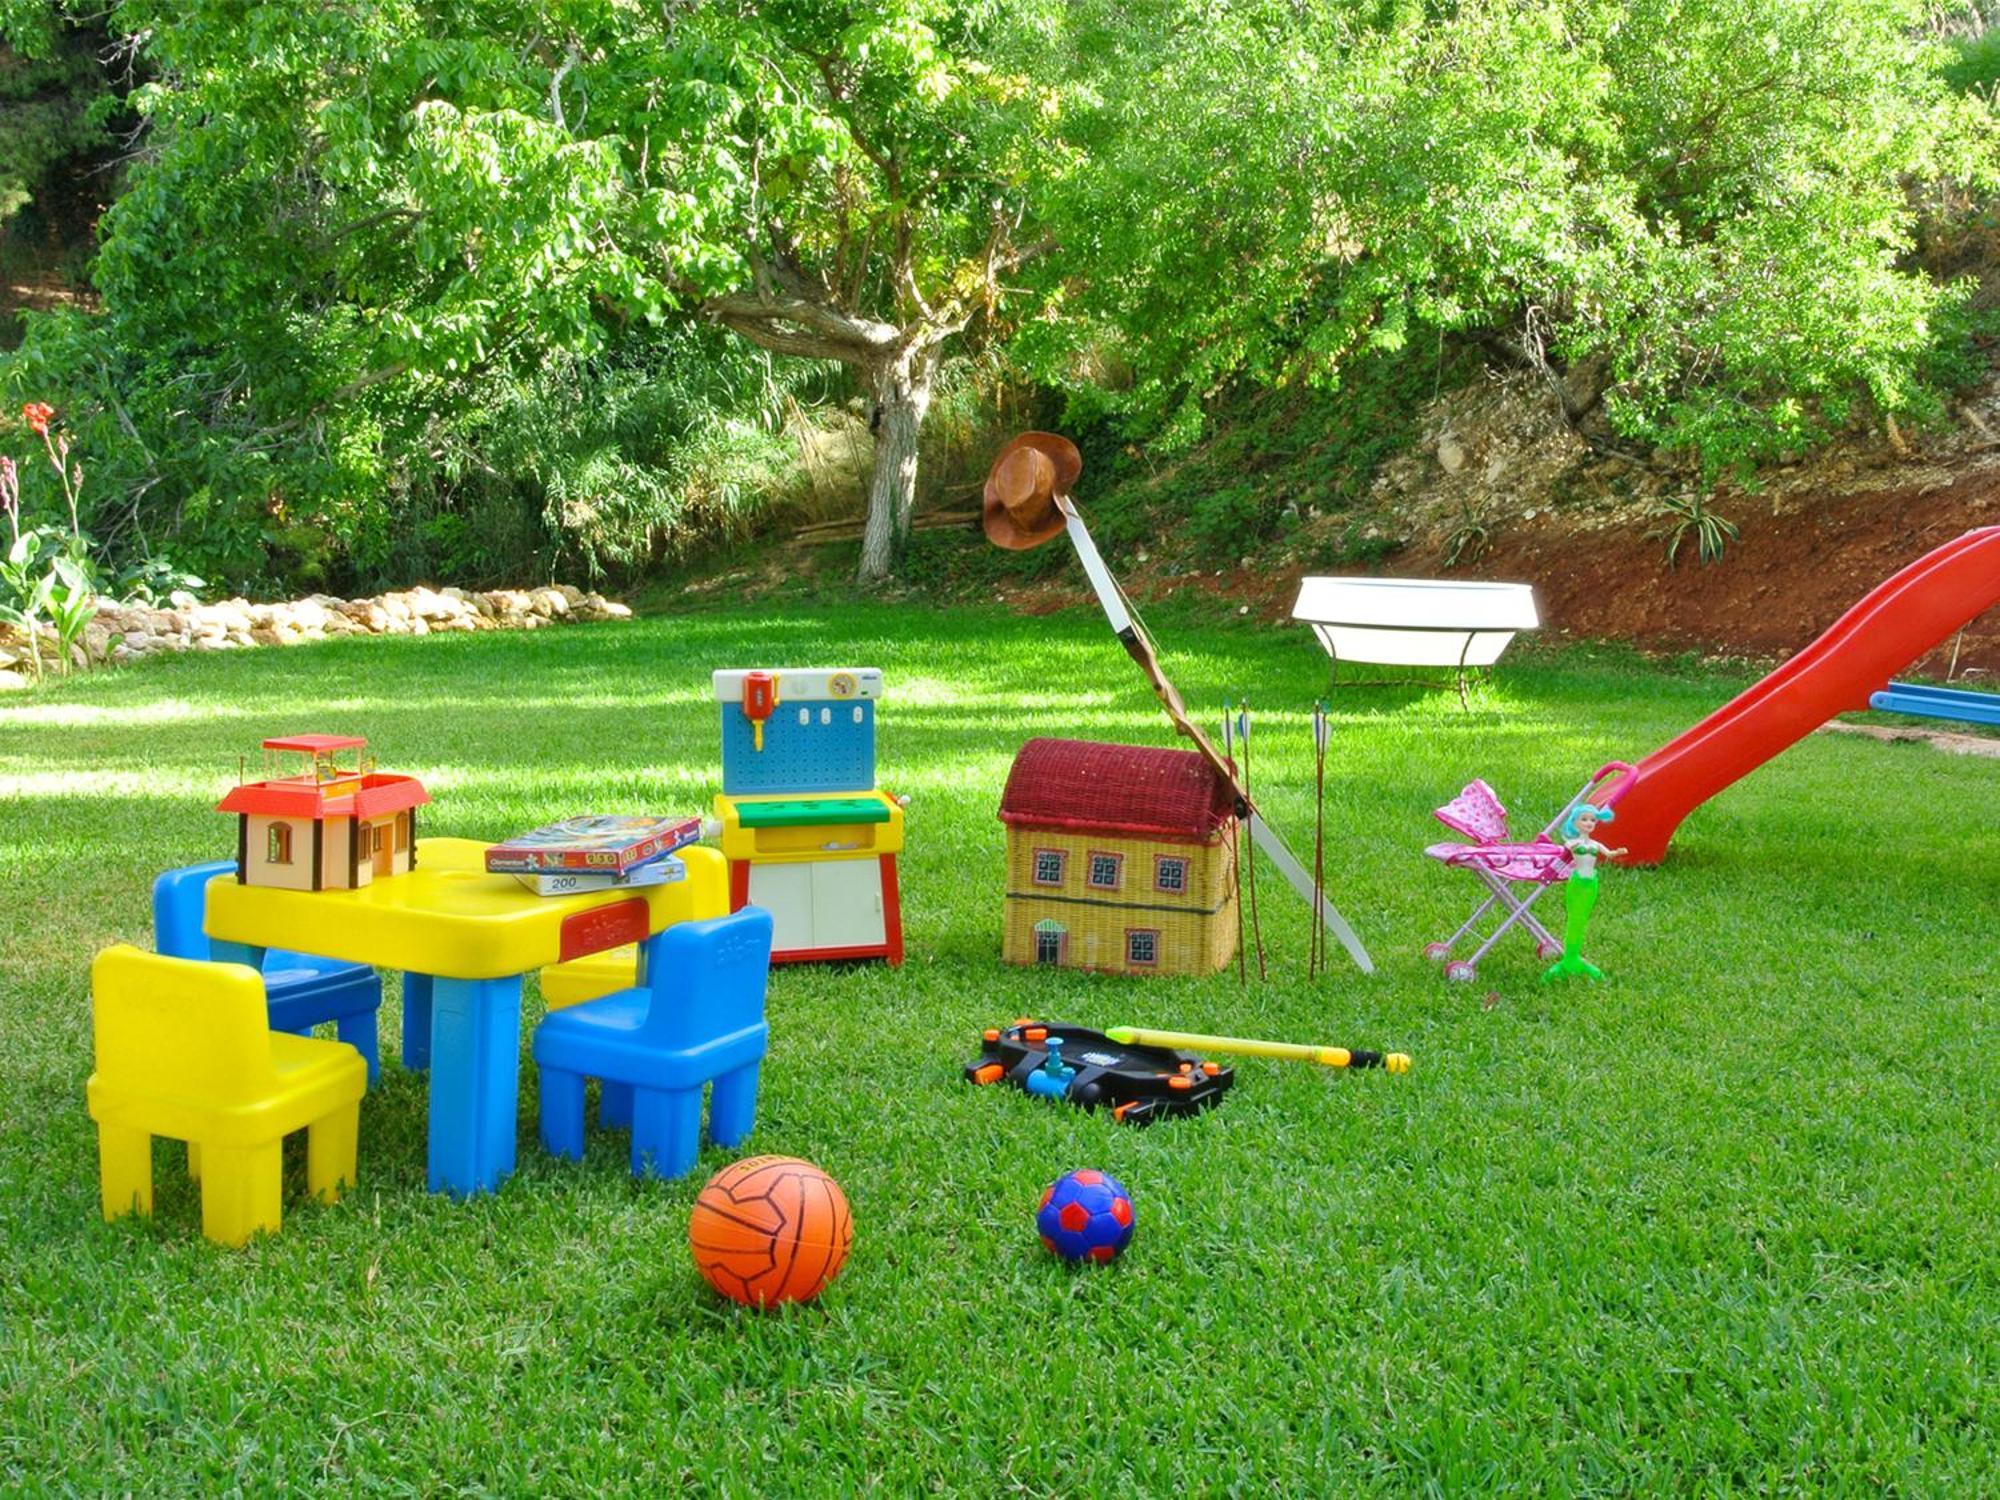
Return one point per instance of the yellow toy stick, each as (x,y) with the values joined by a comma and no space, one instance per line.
(1332,1057)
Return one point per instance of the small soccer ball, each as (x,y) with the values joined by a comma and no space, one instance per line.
(770,1229)
(1086,1216)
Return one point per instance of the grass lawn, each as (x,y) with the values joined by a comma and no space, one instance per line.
(1725,1223)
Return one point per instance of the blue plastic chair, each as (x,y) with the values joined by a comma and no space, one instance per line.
(696,1017)
(302,991)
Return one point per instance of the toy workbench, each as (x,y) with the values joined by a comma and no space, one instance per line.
(1075,1065)
(807,834)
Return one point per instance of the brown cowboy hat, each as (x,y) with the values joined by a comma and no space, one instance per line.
(1030,475)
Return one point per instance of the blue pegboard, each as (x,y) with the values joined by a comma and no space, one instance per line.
(832,751)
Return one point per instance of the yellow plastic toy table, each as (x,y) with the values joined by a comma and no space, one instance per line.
(463,939)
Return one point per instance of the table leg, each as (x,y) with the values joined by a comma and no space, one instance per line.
(416,1021)
(475,1082)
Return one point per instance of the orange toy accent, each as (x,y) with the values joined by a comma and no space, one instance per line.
(770,1229)
(760,697)
(991,1073)
(1035,1033)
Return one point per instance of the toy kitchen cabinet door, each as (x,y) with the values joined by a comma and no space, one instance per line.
(786,892)
(836,904)
(847,904)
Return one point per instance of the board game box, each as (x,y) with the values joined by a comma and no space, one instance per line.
(599,843)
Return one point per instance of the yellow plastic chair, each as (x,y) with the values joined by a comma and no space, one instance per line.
(183,1051)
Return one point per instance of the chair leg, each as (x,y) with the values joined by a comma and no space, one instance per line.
(562,1113)
(240,1191)
(358,1031)
(666,1131)
(125,1170)
(332,1143)
(614,1105)
(194,1161)
(732,1106)
(416,1021)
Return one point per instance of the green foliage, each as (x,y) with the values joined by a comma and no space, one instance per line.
(607,464)
(1684,516)
(357,243)
(51,98)
(388,286)
(1973,67)
(1275,462)
(1468,539)
(1713,192)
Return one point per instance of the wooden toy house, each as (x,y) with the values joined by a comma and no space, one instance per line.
(322,825)
(1119,858)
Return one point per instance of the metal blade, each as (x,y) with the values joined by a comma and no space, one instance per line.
(1265,837)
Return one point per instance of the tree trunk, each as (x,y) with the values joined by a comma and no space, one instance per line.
(902,390)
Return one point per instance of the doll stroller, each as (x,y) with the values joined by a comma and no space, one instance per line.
(1516,875)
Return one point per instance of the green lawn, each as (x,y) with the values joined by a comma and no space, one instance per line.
(1725,1223)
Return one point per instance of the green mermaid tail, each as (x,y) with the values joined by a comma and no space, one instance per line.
(1579,897)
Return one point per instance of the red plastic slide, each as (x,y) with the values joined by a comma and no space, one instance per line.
(1894,624)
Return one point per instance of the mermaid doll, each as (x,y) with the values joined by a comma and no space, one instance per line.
(1580,889)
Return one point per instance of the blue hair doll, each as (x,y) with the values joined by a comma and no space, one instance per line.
(1580,889)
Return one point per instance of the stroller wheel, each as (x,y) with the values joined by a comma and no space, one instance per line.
(1459,973)
(1548,953)
(1437,952)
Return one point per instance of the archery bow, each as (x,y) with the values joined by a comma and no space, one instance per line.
(1139,646)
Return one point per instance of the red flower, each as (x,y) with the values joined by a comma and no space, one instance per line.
(38,415)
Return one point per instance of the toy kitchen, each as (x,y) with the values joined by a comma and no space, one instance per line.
(807,834)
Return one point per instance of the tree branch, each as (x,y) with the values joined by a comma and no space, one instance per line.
(837,334)
(780,340)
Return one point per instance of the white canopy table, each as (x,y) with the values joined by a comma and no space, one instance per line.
(1415,622)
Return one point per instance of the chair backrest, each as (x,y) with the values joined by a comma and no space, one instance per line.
(199,1027)
(1476,812)
(709,978)
(179,902)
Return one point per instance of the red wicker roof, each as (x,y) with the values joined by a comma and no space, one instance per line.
(1083,786)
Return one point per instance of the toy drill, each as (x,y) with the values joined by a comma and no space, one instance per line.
(760,697)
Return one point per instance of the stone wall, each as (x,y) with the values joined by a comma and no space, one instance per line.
(125,632)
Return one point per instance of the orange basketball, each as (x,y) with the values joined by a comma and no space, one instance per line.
(770,1229)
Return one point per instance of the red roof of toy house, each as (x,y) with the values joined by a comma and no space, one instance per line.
(316,744)
(1082,786)
(368,796)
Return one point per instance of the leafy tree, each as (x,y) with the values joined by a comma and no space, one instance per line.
(337,198)
(1712,196)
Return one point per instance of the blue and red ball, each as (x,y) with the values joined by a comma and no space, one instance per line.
(1086,1216)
